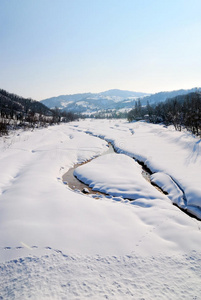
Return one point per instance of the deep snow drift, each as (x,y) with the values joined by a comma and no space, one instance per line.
(110,249)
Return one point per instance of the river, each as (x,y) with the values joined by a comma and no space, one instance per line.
(77,185)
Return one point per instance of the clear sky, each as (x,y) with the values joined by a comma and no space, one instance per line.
(54,47)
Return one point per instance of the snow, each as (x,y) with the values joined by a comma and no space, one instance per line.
(166,183)
(117,175)
(83,103)
(162,149)
(59,244)
(56,275)
(65,104)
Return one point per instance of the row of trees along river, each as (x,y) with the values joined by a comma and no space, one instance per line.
(181,111)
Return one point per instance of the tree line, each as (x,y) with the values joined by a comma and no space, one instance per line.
(182,111)
(18,112)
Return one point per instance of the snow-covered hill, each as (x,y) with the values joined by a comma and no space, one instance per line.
(162,96)
(91,103)
(114,100)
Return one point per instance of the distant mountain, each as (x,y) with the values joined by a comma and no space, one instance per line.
(118,95)
(93,102)
(162,96)
(112,100)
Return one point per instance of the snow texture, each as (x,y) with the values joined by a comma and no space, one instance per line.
(60,276)
(59,244)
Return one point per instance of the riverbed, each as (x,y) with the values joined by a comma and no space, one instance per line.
(75,184)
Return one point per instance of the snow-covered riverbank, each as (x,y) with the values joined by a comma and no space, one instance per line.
(174,157)
(37,211)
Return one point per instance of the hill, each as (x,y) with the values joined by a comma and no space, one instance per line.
(94,102)
(163,96)
(11,104)
(111,100)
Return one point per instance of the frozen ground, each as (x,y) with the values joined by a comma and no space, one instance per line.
(59,244)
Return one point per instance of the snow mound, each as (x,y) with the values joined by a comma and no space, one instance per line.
(117,175)
(167,184)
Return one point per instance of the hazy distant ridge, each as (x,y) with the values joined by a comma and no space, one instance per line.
(115,95)
(162,96)
(93,102)
(109,100)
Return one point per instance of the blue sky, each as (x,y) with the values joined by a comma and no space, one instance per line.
(54,47)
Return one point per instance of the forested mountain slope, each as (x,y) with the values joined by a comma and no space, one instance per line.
(11,104)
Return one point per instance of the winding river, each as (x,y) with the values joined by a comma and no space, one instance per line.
(77,185)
